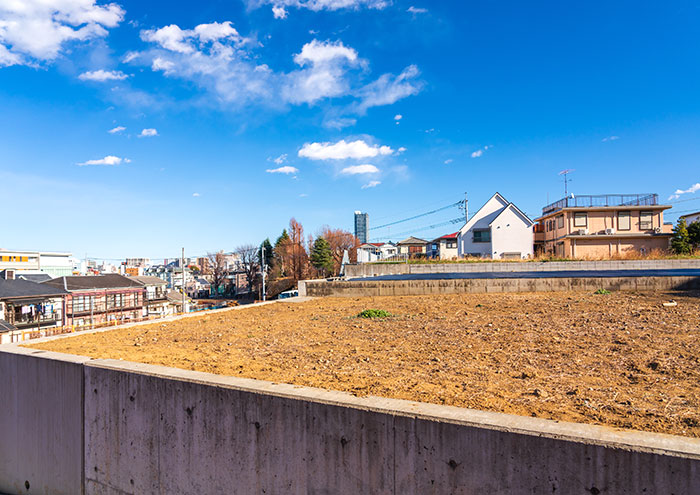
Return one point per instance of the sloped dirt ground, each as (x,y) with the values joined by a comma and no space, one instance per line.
(621,360)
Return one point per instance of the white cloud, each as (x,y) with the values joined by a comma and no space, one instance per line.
(103,75)
(196,195)
(372,183)
(219,60)
(317,5)
(389,89)
(33,31)
(398,116)
(107,160)
(416,10)
(342,150)
(148,133)
(117,130)
(692,189)
(478,153)
(279,12)
(287,169)
(303,195)
(610,138)
(360,169)
(280,159)
(400,150)
(448,161)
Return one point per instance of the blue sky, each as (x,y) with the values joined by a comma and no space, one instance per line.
(230,117)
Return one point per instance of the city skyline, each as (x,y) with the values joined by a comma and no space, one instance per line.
(157,126)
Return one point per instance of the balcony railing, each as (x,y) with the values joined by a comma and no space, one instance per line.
(602,200)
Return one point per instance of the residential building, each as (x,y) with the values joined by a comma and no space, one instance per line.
(170,273)
(498,230)
(199,288)
(412,247)
(604,225)
(156,302)
(26,305)
(444,248)
(101,298)
(138,262)
(375,251)
(691,217)
(54,264)
(361,226)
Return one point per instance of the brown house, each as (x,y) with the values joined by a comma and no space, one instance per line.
(101,298)
(602,226)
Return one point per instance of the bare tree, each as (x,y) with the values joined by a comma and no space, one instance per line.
(218,269)
(340,240)
(248,255)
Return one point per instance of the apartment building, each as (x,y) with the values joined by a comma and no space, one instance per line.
(101,298)
(595,226)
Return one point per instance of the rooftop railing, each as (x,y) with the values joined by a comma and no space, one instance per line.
(588,201)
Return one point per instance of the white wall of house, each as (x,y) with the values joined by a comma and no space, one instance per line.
(695,217)
(511,233)
(481,220)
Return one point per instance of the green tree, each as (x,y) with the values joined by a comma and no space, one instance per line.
(694,234)
(680,243)
(269,254)
(321,256)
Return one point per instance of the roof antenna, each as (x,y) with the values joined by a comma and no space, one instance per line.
(566,173)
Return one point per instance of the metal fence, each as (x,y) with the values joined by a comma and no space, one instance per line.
(588,201)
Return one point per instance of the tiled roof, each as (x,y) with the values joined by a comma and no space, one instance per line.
(25,288)
(109,281)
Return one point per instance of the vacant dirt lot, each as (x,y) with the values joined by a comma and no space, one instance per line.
(621,360)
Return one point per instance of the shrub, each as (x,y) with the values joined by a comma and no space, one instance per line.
(602,292)
(373,313)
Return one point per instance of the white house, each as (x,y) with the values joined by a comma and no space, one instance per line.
(691,218)
(375,251)
(444,248)
(499,230)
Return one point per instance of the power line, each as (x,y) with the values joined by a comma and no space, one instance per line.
(458,203)
(428,227)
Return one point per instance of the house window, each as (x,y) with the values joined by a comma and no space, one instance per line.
(435,247)
(623,220)
(451,245)
(560,222)
(645,222)
(482,235)
(580,219)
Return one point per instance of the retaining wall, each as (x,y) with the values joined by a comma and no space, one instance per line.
(377,269)
(360,287)
(112,427)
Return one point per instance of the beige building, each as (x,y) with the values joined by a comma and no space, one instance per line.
(602,226)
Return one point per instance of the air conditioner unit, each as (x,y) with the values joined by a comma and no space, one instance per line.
(609,231)
(658,230)
(581,232)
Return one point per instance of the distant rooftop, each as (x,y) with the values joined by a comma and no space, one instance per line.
(602,200)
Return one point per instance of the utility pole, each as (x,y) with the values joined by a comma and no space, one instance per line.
(182,267)
(466,208)
(262,267)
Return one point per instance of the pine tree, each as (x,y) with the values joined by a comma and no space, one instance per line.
(321,256)
(680,243)
(269,254)
(694,234)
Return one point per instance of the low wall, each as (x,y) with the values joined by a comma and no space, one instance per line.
(149,429)
(377,269)
(360,288)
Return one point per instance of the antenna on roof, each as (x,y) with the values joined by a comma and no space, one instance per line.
(566,173)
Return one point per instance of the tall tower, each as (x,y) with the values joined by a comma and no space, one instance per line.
(361,226)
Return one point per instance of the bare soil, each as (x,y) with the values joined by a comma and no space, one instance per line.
(622,360)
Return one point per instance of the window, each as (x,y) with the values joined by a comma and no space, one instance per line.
(451,245)
(580,219)
(482,235)
(83,303)
(560,222)
(645,222)
(623,220)
(435,247)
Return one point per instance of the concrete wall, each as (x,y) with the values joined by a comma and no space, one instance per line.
(41,422)
(372,270)
(149,429)
(362,288)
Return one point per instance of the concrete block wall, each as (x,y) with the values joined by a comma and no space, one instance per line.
(361,288)
(375,269)
(150,430)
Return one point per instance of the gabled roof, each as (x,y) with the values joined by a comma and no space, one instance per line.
(25,288)
(447,236)
(690,215)
(411,240)
(475,217)
(6,327)
(109,281)
(517,211)
(34,277)
(148,280)
(373,244)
